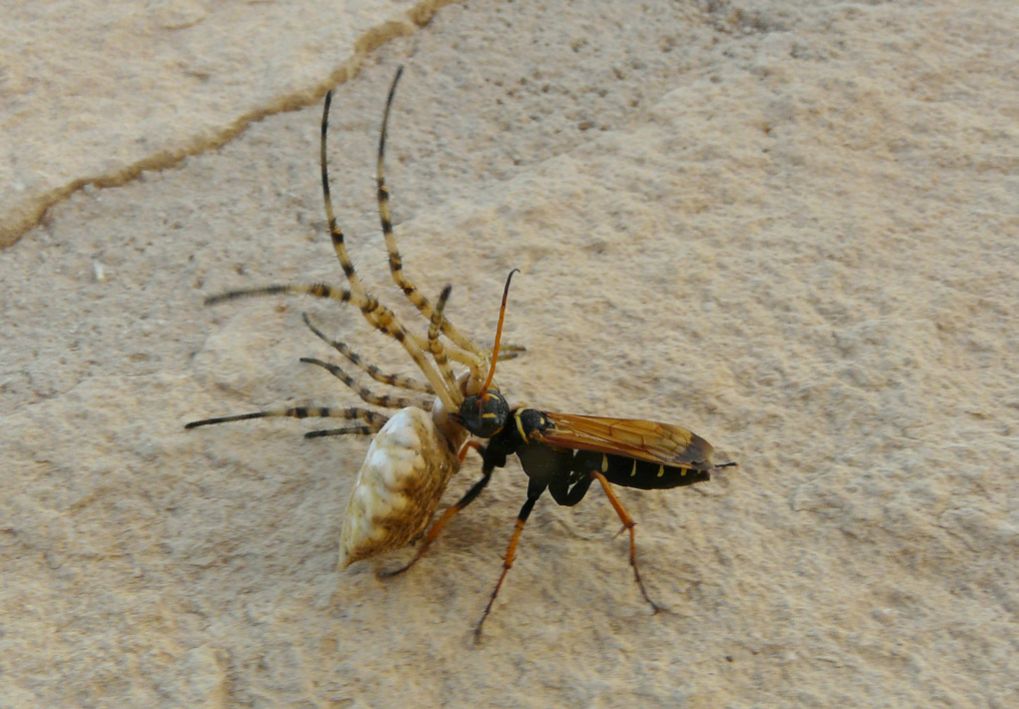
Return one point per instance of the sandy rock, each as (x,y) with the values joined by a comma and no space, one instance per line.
(789,227)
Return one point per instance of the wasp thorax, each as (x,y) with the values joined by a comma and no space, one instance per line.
(485,415)
(532,420)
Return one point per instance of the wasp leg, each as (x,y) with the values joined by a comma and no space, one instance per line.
(533,493)
(436,529)
(366,394)
(628,524)
(566,496)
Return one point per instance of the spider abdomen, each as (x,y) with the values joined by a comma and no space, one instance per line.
(401,481)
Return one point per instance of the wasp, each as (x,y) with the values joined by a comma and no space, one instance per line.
(565,454)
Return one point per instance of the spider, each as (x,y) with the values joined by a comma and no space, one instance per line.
(415,451)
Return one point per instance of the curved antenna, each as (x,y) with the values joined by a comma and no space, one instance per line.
(498,335)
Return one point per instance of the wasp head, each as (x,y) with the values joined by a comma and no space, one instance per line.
(483,415)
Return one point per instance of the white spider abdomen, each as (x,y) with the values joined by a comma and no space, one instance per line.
(398,487)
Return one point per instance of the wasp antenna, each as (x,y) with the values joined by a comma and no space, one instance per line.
(498,334)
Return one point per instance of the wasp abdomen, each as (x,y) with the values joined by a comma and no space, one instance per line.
(630,472)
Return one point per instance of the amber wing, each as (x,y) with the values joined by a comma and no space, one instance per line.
(644,440)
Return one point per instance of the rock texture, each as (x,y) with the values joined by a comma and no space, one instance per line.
(94,93)
(789,227)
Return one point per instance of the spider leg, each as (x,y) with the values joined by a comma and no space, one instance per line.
(335,232)
(395,260)
(381,317)
(511,352)
(357,430)
(366,394)
(371,419)
(396,380)
(435,344)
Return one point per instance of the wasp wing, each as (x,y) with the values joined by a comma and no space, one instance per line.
(652,441)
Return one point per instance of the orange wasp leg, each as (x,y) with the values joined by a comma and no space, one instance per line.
(628,524)
(436,529)
(507,564)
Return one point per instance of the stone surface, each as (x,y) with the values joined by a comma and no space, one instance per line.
(793,230)
(92,93)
